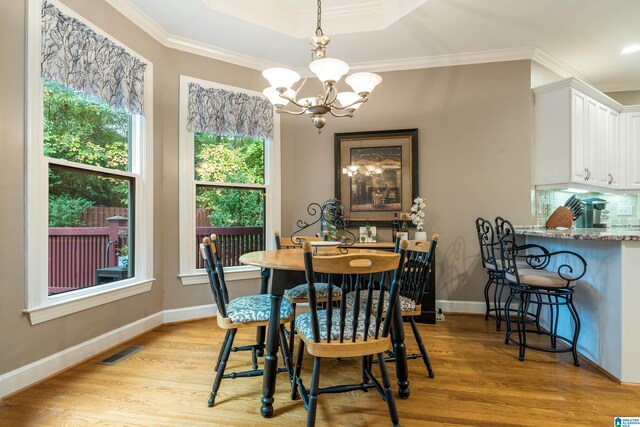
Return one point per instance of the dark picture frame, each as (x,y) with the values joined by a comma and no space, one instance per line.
(376,174)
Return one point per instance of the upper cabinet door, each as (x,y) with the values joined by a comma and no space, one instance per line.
(633,149)
(615,175)
(579,137)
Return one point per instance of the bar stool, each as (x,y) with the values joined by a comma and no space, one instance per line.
(552,289)
(490,256)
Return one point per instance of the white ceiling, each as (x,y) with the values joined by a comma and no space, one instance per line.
(578,37)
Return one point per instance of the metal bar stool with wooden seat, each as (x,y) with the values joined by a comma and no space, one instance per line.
(242,312)
(354,332)
(553,289)
(419,259)
(298,294)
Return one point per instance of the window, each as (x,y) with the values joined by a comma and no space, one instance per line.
(89,183)
(228,183)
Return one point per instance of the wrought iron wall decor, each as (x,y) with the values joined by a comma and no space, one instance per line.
(331,217)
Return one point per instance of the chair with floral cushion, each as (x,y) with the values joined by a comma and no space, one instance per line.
(418,263)
(243,312)
(358,331)
(298,294)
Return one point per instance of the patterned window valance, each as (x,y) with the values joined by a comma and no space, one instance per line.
(74,55)
(225,112)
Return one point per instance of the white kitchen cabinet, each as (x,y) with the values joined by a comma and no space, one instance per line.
(632,137)
(577,136)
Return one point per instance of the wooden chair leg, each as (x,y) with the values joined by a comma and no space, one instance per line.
(224,342)
(292,329)
(286,356)
(388,394)
(421,346)
(313,393)
(221,367)
(296,374)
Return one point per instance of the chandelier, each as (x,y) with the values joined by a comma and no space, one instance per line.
(362,170)
(328,71)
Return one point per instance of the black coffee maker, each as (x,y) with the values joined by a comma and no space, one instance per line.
(592,216)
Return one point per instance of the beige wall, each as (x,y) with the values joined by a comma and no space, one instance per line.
(474,127)
(631,97)
(21,343)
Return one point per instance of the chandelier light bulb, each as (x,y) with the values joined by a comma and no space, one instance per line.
(329,70)
(281,77)
(363,83)
(274,96)
(346,99)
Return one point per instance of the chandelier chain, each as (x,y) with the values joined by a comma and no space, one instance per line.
(318,21)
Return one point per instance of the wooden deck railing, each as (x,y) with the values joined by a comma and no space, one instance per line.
(233,242)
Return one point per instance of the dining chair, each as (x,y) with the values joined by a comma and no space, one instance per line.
(299,294)
(243,312)
(552,289)
(355,332)
(418,264)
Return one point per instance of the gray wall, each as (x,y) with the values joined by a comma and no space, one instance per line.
(474,125)
(471,119)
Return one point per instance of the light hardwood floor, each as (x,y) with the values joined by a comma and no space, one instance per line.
(479,381)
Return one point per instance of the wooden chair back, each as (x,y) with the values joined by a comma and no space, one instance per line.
(418,264)
(362,272)
(284,242)
(215,272)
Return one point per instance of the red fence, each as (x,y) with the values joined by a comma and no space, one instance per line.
(232,242)
(96,216)
(75,253)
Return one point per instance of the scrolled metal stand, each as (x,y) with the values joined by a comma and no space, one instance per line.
(331,217)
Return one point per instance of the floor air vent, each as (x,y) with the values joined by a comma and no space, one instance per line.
(112,360)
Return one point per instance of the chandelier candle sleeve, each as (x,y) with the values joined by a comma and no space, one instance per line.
(329,71)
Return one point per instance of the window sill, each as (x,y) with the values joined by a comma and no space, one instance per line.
(54,310)
(230,274)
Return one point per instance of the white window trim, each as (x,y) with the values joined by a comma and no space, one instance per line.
(189,275)
(39,305)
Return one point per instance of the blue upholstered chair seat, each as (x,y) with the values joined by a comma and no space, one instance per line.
(406,304)
(255,308)
(303,325)
(301,291)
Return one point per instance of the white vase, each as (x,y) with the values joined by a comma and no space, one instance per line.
(421,235)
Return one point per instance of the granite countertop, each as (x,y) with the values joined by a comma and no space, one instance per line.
(580,233)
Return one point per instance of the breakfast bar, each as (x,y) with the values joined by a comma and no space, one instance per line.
(606,297)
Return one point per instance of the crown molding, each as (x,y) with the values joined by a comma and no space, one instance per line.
(554,64)
(500,55)
(141,19)
(204,49)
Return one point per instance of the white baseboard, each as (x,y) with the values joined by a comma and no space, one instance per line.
(32,373)
(189,313)
(470,307)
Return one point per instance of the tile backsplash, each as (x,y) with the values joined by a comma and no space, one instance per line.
(622,208)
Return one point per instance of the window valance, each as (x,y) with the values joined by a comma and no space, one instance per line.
(226,112)
(74,55)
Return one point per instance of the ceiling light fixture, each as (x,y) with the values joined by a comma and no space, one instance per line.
(328,71)
(630,49)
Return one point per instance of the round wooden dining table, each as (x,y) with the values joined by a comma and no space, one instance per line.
(284,262)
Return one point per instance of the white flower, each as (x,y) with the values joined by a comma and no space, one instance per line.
(417,215)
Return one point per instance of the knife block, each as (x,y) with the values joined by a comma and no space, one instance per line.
(561,217)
